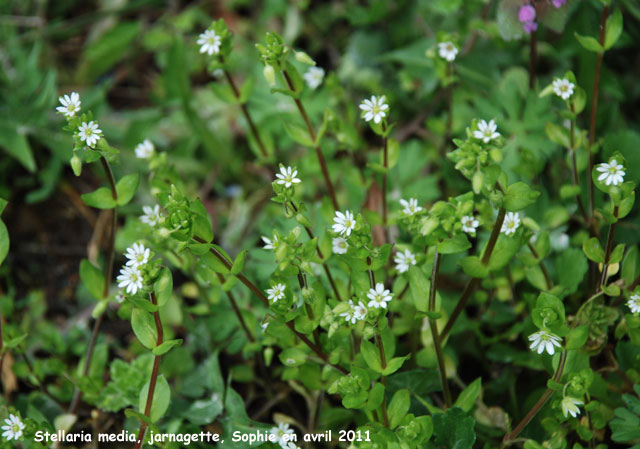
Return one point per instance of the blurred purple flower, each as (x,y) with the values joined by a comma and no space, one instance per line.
(527,16)
(558,3)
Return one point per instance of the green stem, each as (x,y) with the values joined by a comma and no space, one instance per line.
(312,134)
(609,248)
(383,379)
(547,278)
(154,374)
(433,325)
(474,282)
(385,163)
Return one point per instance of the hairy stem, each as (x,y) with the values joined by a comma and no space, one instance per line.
(245,112)
(312,134)
(547,278)
(594,105)
(538,405)
(251,286)
(608,249)
(383,379)
(154,374)
(385,163)
(533,50)
(473,282)
(325,266)
(77,394)
(236,310)
(433,325)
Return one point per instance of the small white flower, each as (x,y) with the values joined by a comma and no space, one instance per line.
(282,434)
(340,245)
(13,428)
(314,77)
(563,88)
(348,315)
(152,215)
(469,224)
(404,260)
(634,303)
(344,223)
(89,133)
(130,279)
(209,42)
(486,131)
(291,445)
(544,340)
(374,109)
(360,311)
(70,104)
(120,297)
(447,51)
(287,176)
(410,207)
(145,149)
(611,173)
(379,296)
(270,244)
(264,326)
(137,255)
(510,223)
(570,406)
(276,292)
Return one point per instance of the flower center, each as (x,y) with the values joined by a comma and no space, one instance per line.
(511,224)
(613,170)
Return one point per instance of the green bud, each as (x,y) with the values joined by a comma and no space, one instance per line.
(76,165)
(269,74)
(304,58)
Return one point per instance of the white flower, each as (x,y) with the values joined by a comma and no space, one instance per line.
(510,223)
(70,104)
(264,326)
(276,292)
(137,255)
(145,149)
(634,303)
(563,88)
(360,311)
(340,245)
(570,406)
(410,207)
(282,434)
(447,51)
(120,297)
(13,428)
(486,131)
(374,109)
(343,223)
(89,133)
(270,244)
(314,77)
(404,261)
(130,279)
(152,215)
(544,340)
(379,296)
(348,315)
(469,224)
(291,445)
(209,42)
(611,173)
(287,176)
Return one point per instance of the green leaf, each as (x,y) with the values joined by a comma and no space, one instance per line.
(298,134)
(144,327)
(398,407)
(558,134)
(589,43)
(4,241)
(469,395)
(246,89)
(617,253)
(100,199)
(163,287)
(454,429)
(376,396)
(126,188)
(108,49)
(371,355)
(549,313)
(394,365)
(16,144)
(161,399)
(473,267)
(238,263)
(577,337)
(631,265)
(92,278)
(166,347)
(202,226)
(593,250)
(224,93)
(613,29)
(571,266)
(456,244)
(506,247)
(419,285)
(519,195)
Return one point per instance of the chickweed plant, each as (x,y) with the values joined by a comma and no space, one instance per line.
(501,311)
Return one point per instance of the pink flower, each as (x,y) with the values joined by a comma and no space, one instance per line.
(558,3)
(527,13)
(529,27)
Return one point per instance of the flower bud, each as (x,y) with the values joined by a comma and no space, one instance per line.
(269,74)
(76,165)
(304,58)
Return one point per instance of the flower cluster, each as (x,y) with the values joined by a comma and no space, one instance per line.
(355,313)
(527,17)
(131,277)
